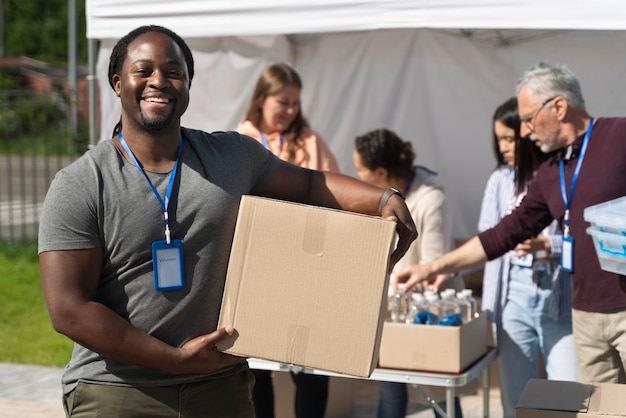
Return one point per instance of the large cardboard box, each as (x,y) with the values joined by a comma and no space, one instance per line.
(557,399)
(306,286)
(433,347)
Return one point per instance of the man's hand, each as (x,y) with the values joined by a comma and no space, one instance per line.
(532,245)
(396,210)
(200,354)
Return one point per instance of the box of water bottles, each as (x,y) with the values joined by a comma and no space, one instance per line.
(608,231)
(432,331)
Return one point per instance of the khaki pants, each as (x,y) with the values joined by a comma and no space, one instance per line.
(600,339)
(226,397)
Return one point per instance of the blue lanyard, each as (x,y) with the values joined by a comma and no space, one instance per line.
(407,188)
(267,145)
(412,175)
(168,192)
(568,202)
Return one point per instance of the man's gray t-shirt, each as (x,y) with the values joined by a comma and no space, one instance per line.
(102,200)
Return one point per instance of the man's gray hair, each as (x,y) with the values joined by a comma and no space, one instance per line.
(546,81)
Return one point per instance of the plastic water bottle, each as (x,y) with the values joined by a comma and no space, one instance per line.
(465,307)
(399,305)
(450,313)
(472,301)
(430,315)
(417,304)
(429,292)
(408,297)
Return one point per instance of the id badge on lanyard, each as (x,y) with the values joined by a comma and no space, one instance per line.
(567,252)
(167,264)
(167,255)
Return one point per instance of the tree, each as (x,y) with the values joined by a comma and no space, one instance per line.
(38,29)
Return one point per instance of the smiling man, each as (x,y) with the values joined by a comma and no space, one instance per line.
(135,237)
(588,168)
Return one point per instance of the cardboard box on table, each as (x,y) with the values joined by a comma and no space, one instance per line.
(306,286)
(558,399)
(434,348)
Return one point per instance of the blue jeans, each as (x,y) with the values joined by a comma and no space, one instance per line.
(394,398)
(527,331)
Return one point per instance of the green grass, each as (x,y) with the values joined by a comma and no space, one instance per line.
(26,333)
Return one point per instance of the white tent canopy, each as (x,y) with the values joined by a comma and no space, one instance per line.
(432,70)
(203,18)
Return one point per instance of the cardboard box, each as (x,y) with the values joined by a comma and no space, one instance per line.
(557,399)
(433,347)
(306,286)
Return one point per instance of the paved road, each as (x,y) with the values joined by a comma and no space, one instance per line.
(30,391)
(35,392)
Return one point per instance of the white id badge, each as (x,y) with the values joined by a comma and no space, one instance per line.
(167,264)
(567,254)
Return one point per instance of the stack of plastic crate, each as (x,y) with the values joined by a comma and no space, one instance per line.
(608,230)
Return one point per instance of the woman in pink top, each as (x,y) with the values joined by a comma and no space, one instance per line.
(275,119)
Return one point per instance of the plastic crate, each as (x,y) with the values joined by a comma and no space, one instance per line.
(608,216)
(610,248)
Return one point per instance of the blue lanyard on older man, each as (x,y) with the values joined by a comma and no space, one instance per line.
(567,253)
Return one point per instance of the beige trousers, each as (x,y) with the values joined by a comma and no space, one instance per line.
(600,339)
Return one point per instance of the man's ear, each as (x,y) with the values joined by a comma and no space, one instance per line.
(116,79)
(561,106)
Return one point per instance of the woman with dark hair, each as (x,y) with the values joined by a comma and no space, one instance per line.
(383,159)
(275,119)
(525,294)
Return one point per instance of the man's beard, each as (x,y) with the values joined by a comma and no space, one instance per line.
(156,123)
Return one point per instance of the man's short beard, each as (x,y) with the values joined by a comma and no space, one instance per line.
(156,124)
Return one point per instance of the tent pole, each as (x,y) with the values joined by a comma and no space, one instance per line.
(71,24)
(91,50)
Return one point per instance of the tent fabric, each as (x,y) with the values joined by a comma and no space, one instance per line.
(433,87)
(202,18)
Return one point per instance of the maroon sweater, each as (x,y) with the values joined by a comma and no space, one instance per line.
(602,177)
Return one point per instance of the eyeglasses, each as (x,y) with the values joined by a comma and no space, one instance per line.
(529,120)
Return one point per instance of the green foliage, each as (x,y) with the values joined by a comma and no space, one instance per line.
(28,110)
(37,123)
(25,330)
(9,79)
(39,29)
